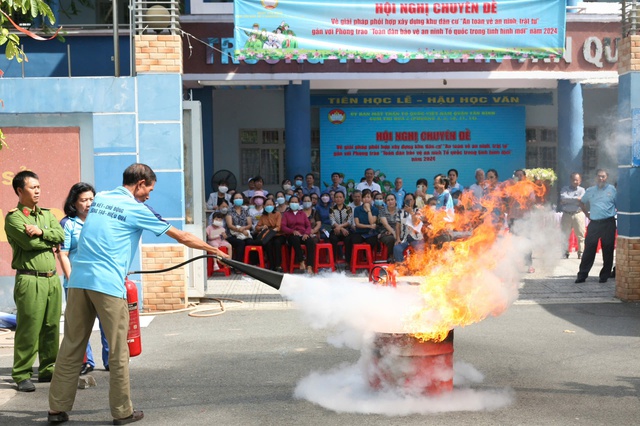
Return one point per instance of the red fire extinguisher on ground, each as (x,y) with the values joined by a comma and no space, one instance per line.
(133,336)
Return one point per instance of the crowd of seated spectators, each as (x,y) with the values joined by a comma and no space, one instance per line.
(303,215)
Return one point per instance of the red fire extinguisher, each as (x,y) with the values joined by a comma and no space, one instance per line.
(133,336)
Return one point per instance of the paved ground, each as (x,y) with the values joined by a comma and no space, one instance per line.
(565,354)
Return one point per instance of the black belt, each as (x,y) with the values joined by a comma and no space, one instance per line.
(35,273)
(613,218)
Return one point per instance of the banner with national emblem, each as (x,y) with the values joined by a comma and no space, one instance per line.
(315,30)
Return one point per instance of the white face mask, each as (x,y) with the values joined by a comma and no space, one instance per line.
(326,199)
(286,187)
(217,222)
(223,189)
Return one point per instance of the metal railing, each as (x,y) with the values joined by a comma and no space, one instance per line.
(630,17)
(155,16)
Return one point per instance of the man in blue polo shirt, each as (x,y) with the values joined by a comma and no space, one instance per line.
(599,204)
(106,249)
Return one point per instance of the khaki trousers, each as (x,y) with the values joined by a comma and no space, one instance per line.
(576,222)
(82,307)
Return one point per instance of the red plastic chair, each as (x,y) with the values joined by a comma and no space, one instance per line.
(324,257)
(257,249)
(222,267)
(361,258)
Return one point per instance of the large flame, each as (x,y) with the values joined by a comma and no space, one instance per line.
(450,269)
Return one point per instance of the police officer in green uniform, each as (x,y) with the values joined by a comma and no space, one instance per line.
(33,234)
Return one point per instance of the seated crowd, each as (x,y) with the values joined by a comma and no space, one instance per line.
(303,215)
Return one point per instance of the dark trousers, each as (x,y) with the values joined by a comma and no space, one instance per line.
(238,246)
(274,251)
(296,242)
(389,241)
(354,238)
(334,239)
(605,231)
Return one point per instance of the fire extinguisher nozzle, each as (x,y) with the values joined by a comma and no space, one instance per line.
(270,278)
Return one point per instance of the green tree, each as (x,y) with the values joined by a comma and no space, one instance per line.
(11,41)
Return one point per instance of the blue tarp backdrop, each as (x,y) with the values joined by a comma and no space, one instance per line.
(417,143)
(365,29)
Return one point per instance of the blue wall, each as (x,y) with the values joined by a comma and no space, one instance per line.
(90,57)
(132,119)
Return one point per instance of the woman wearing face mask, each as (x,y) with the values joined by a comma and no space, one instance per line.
(239,225)
(365,218)
(217,235)
(387,225)
(297,229)
(281,202)
(309,210)
(222,208)
(286,185)
(257,207)
(322,216)
(272,219)
(216,198)
(421,196)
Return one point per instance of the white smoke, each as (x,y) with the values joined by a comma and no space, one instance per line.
(355,312)
(345,389)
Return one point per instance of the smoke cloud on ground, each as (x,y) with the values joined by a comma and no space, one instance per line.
(345,389)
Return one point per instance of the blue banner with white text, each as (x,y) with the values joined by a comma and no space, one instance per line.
(363,29)
(417,143)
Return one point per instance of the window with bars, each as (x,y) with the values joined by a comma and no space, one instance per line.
(262,153)
(542,148)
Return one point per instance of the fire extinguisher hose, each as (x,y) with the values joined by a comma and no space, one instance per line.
(194,310)
(179,265)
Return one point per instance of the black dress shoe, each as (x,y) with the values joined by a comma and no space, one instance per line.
(602,280)
(60,417)
(26,386)
(86,369)
(44,379)
(580,280)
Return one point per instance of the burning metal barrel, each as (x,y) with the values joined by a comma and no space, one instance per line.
(396,361)
(404,362)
